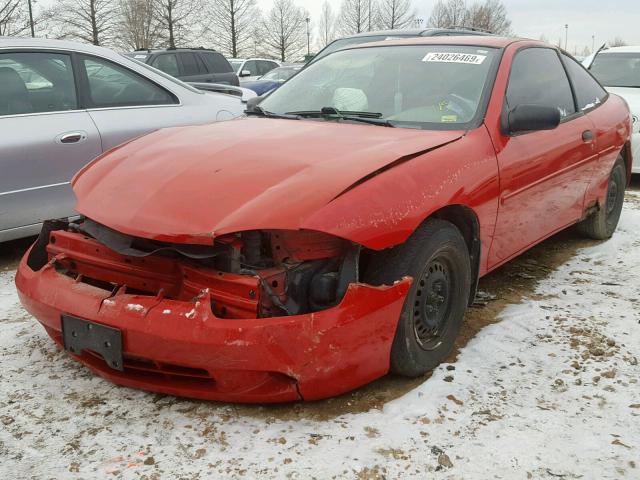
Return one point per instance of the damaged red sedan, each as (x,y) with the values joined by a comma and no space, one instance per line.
(335,234)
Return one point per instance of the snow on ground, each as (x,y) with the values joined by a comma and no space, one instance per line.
(550,391)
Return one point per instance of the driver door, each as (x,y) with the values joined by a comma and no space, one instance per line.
(543,174)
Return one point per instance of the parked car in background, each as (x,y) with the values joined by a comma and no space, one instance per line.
(338,232)
(618,69)
(272,80)
(190,64)
(367,37)
(62,104)
(252,68)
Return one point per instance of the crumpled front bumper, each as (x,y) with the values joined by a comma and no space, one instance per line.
(181,348)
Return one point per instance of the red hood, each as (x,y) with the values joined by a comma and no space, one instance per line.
(188,184)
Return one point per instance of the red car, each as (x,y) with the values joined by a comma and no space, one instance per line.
(339,231)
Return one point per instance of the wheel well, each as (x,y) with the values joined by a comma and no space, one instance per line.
(467,223)
(626,156)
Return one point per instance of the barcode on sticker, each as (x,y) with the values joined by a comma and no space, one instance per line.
(469,58)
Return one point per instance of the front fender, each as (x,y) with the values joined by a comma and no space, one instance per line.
(386,209)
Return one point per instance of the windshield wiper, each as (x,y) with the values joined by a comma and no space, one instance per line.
(261,112)
(372,118)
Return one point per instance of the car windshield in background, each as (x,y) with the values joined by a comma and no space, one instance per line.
(617,69)
(413,86)
(281,74)
(236,65)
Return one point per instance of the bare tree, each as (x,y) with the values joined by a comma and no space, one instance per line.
(617,42)
(393,14)
(91,21)
(13,18)
(490,16)
(448,14)
(327,26)
(176,19)
(139,26)
(356,16)
(231,22)
(284,29)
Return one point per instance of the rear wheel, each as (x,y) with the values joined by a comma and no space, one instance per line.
(600,225)
(437,258)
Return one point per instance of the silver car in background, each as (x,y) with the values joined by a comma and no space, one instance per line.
(64,103)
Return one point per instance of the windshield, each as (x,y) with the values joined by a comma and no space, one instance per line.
(236,64)
(413,86)
(281,74)
(617,69)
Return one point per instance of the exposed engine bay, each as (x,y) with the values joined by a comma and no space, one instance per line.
(251,274)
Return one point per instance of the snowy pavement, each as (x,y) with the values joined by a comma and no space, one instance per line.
(549,391)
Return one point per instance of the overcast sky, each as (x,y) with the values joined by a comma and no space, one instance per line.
(532,18)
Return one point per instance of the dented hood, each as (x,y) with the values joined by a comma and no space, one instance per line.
(191,183)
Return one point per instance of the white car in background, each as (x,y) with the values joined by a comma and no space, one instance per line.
(618,70)
(252,68)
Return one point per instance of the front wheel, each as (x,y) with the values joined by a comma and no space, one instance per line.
(601,224)
(437,258)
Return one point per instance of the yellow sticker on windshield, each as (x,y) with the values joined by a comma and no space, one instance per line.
(449,118)
(444,57)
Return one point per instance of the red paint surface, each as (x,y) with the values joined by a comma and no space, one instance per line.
(190,184)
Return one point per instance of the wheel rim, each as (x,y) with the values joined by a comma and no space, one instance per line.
(612,196)
(432,304)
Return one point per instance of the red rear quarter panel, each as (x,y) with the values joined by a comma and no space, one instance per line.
(612,122)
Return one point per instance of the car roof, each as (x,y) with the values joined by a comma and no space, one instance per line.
(472,40)
(47,43)
(626,49)
(416,32)
(252,58)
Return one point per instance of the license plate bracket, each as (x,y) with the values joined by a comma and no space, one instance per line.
(79,335)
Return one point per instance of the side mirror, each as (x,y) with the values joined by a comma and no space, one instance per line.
(529,118)
(252,103)
(245,73)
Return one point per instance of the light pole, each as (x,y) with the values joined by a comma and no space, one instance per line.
(33,30)
(308,37)
(566,35)
(593,43)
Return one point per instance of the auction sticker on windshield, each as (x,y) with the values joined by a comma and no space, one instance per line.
(454,58)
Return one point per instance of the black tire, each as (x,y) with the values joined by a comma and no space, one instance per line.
(601,224)
(437,258)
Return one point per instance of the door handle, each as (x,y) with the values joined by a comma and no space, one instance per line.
(587,136)
(71,137)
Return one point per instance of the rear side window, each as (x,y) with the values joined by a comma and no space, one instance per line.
(168,63)
(265,66)
(191,64)
(36,83)
(111,85)
(588,91)
(216,62)
(537,77)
